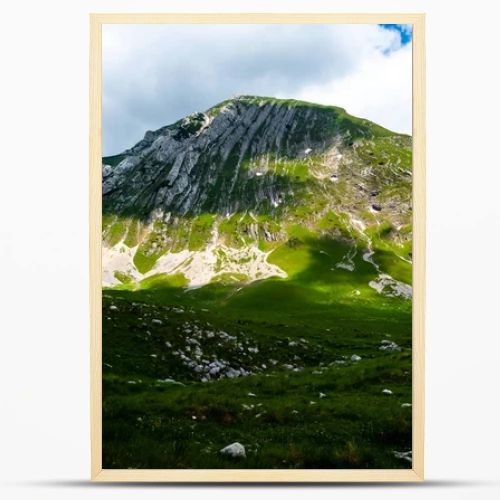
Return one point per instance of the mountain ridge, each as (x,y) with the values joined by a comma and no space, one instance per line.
(241,177)
(216,144)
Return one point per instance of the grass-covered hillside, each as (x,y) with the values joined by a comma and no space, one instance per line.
(257,290)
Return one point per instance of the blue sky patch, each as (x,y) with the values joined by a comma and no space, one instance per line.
(404,30)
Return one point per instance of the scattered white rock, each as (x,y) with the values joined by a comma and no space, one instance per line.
(169,381)
(234,450)
(251,394)
(157,322)
(404,455)
(113,308)
(388,286)
(387,391)
(389,346)
(406,405)
(322,395)
(348,266)
(232,373)
(355,357)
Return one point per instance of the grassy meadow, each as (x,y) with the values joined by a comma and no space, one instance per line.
(290,368)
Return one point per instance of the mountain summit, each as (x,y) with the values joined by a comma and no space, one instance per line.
(239,192)
(247,149)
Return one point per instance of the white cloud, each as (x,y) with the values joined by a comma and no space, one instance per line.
(156,74)
(379,89)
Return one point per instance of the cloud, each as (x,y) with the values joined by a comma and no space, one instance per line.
(155,74)
(379,89)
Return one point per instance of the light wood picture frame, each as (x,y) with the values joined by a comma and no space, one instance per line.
(416,473)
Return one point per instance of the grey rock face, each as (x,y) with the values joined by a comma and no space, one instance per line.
(202,163)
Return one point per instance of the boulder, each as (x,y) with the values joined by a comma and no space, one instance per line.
(234,450)
(389,346)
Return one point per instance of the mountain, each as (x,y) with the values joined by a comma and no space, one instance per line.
(257,187)
(257,284)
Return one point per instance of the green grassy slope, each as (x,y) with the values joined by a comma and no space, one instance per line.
(294,338)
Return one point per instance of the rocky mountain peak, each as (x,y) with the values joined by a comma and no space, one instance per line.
(224,159)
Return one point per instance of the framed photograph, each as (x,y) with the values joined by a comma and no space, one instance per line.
(257,247)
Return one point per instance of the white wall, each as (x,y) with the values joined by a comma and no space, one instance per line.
(44,445)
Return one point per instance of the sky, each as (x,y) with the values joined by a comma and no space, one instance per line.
(154,75)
